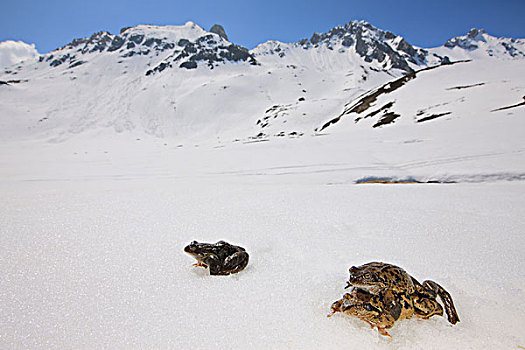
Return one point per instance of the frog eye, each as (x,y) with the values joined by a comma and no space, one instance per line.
(367,276)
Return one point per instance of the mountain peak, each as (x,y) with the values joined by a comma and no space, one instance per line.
(219,30)
(476,34)
(478,43)
(167,46)
(383,49)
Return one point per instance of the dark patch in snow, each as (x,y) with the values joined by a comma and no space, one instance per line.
(447,179)
(433,116)
(9,82)
(465,86)
(188,65)
(76,64)
(388,118)
(509,107)
(391,180)
(383,109)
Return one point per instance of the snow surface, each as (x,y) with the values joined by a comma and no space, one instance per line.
(92,238)
(102,188)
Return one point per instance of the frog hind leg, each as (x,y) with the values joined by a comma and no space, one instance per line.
(236,262)
(381,330)
(425,307)
(452,314)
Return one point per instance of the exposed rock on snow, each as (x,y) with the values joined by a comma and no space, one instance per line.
(385,114)
(219,30)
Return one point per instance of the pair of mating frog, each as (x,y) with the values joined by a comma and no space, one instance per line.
(381,293)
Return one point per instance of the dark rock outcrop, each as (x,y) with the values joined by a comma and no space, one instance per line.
(219,30)
(371,44)
(210,49)
(468,42)
(207,49)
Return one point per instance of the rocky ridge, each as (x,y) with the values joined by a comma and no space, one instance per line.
(180,50)
(382,49)
(478,39)
(374,44)
(477,44)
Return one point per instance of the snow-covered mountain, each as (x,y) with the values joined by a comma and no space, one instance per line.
(182,47)
(379,49)
(183,82)
(478,44)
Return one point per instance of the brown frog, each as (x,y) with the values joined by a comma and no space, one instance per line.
(378,310)
(378,277)
(222,258)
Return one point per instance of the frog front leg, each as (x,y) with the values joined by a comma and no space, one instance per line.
(214,263)
(382,321)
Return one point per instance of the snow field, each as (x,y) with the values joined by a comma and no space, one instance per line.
(92,252)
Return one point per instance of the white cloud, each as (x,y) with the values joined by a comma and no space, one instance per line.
(12,52)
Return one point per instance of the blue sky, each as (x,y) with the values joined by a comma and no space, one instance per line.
(54,23)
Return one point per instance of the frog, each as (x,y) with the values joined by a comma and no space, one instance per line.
(380,310)
(222,258)
(378,277)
